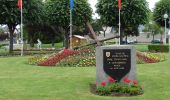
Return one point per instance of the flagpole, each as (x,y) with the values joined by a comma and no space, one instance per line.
(22,42)
(119,28)
(71,28)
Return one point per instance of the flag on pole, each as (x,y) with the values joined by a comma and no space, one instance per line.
(71,4)
(19,4)
(119,4)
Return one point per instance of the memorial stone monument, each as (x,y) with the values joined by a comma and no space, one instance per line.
(117,62)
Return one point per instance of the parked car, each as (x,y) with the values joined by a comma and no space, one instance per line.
(129,42)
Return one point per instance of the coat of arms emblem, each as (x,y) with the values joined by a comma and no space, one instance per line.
(107,54)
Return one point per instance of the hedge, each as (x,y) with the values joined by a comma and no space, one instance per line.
(158,48)
(1,45)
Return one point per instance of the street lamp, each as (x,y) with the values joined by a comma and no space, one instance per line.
(165,17)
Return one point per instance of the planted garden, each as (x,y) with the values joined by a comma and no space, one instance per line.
(113,88)
(85,58)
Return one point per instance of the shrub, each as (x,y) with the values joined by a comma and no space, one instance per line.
(120,89)
(158,48)
(103,90)
(1,45)
(127,87)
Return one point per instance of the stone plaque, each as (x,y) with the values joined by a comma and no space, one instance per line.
(117,62)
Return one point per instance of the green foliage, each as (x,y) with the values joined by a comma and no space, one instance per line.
(162,7)
(9,12)
(158,48)
(33,12)
(120,89)
(115,87)
(103,90)
(133,13)
(97,25)
(58,12)
(11,15)
(1,45)
(154,28)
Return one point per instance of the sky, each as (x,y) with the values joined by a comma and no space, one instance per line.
(93,3)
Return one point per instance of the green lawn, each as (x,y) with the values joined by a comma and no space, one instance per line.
(57,45)
(141,47)
(20,81)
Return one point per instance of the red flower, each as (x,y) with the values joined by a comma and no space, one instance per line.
(103,83)
(135,82)
(126,80)
(111,80)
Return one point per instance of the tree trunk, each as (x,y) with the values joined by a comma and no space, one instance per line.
(93,33)
(161,39)
(126,40)
(11,31)
(53,44)
(66,40)
(30,36)
(153,37)
(31,41)
(105,32)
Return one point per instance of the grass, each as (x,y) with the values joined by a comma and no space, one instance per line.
(20,81)
(57,45)
(4,51)
(141,47)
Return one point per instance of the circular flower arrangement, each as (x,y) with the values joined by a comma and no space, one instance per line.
(86,58)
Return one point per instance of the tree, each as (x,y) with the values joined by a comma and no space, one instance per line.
(153,28)
(162,7)
(58,15)
(133,13)
(33,17)
(97,25)
(9,16)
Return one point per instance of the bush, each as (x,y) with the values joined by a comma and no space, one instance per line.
(119,89)
(103,90)
(158,48)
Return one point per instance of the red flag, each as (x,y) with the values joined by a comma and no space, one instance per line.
(119,4)
(19,4)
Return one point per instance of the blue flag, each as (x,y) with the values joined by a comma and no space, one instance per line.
(71,4)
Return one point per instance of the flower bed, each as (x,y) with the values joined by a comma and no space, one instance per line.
(86,58)
(149,58)
(114,88)
(54,59)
